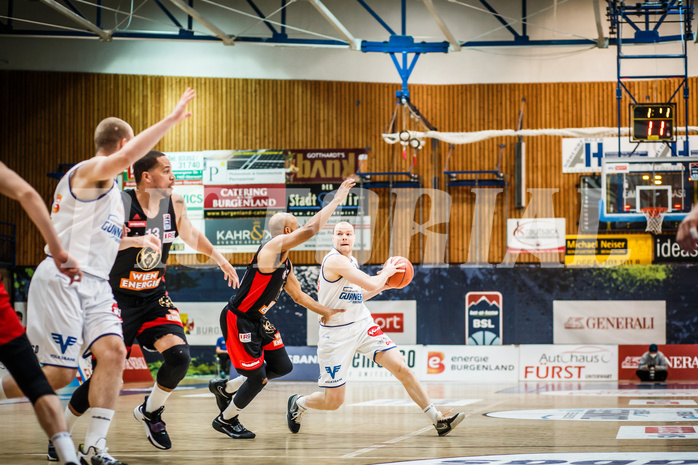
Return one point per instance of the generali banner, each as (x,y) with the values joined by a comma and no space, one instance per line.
(568,363)
(683,361)
(609,321)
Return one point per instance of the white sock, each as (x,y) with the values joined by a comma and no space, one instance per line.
(433,414)
(71,419)
(64,447)
(156,399)
(234,384)
(301,403)
(231,411)
(2,391)
(97,428)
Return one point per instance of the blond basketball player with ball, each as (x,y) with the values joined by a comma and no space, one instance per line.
(342,285)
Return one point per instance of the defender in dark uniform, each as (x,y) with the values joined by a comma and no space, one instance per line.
(155,217)
(254,344)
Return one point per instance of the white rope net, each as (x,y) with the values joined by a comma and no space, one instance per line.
(470,137)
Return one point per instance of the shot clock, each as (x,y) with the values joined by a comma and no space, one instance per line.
(652,122)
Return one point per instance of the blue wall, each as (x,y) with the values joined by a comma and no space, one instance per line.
(528,293)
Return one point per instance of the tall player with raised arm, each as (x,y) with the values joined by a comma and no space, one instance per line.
(155,216)
(67,321)
(254,344)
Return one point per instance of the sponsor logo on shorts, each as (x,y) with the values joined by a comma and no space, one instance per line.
(64,344)
(140,281)
(116,310)
(168,237)
(374,331)
(251,365)
(245,337)
(333,370)
(166,221)
(435,363)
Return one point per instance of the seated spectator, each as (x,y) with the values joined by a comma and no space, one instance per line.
(653,365)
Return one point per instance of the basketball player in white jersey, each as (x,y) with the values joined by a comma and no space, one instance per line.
(67,321)
(342,285)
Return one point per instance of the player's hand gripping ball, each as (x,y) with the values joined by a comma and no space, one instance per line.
(401,279)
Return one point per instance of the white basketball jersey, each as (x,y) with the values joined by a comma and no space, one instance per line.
(90,230)
(341,294)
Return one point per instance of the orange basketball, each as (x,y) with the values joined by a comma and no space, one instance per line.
(400,279)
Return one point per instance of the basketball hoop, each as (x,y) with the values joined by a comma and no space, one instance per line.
(655,217)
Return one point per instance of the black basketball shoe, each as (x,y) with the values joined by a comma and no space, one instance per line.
(51,454)
(293,414)
(223,398)
(232,428)
(154,426)
(446,424)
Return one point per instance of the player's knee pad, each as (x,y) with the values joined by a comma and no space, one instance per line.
(278,363)
(80,400)
(175,367)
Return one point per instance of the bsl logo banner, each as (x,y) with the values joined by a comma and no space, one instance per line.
(682,358)
(483,318)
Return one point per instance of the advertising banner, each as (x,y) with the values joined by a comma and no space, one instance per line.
(470,364)
(609,321)
(568,363)
(179,247)
(201,322)
(396,318)
(363,369)
(323,239)
(585,155)
(667,250)
(608,250)
(241,200)
(305,366)
(483,318)
(232,167)
(536,235)
(237,234)
(683,361)
(187,168)
(308,199)
(321,165)
(193,195)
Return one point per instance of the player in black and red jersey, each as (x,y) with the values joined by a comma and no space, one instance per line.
(16,353)
(254,344)
(155,216)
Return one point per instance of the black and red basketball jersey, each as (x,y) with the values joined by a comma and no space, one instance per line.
(141,271)
(259,291)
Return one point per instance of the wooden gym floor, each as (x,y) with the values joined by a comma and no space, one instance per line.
(381,432)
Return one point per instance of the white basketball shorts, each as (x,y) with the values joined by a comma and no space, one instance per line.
(63,321)
(338,344)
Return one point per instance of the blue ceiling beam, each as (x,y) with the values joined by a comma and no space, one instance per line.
(168,13)
(264,18)
(377,18)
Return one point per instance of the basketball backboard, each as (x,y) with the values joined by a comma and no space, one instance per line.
(631,184)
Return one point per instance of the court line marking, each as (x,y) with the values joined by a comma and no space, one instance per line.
(392,441)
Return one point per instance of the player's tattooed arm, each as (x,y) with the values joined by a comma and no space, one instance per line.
(199,242)
(293,288)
